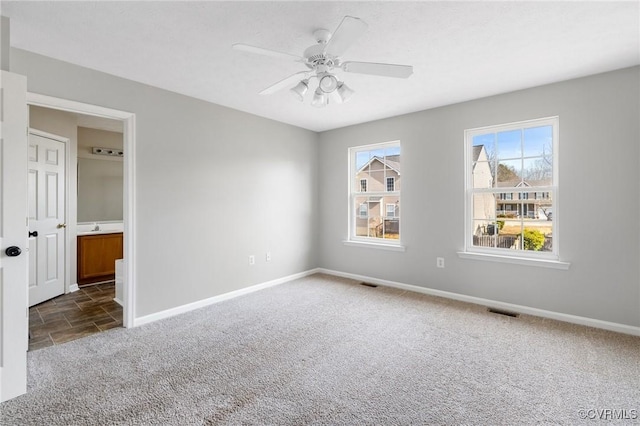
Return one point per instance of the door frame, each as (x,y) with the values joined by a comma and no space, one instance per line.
(67,192)
(129,214)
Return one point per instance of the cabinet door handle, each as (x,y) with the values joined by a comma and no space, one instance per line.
(33,234)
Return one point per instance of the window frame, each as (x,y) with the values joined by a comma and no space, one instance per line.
(353,193)
(393,179)
(386,213)
(365,186)
(366,211)
(505,254)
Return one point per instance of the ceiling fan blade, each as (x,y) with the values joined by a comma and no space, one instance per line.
(349,30)
(385,70)
(266,52)
(283,84)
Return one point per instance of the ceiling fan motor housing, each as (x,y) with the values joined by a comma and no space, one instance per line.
(315,56)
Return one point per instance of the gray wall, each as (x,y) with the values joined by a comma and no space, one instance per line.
(100,177)
(599,199)
(214,185)
(100,185)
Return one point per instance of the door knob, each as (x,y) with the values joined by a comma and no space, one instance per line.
(13,251)
(62,225)
(33,234)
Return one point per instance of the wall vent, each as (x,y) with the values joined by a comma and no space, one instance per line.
(505,313)
(107,151)
(368,284)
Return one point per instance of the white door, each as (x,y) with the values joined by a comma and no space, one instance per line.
(46,214)
(13,236)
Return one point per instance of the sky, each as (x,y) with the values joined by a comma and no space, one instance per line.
(362,157)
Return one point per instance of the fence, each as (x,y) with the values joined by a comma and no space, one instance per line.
(500,241)
(507,241)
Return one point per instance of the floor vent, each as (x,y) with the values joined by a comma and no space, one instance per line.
(368,284)
(501,312)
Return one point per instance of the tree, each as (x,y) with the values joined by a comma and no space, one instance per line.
(533,239)
(507,173)
(542,168)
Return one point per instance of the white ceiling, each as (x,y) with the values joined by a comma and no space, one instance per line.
(459,50)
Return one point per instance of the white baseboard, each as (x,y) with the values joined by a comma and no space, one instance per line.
(574,319)
(118,301)
(210,301)
(73,287)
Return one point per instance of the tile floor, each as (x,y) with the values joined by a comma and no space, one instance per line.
(73,316)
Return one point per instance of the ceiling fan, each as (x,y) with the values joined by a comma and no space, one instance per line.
(323,59)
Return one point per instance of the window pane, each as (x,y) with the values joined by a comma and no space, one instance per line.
(538,141)
(484,146)
(361,208)
(362,158)
(481,175)
(538,171)
(509,173)
(537,235)
(392,152)
(484,206)
(489,234)
(509,144)
(376,153)
(377,179)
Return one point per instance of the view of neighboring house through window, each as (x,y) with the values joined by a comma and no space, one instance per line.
(391,210)
(364,210)
(391,184)
(511,182)
(375,169)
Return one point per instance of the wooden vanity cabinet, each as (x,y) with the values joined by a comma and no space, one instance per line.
(97,255)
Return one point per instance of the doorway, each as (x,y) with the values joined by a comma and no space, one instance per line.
(127,121)
(95,195)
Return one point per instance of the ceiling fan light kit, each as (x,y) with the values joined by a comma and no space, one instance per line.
(300,89)
(320,99)
(322,59)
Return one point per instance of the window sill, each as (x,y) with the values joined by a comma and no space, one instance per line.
(379,246)
(542,263)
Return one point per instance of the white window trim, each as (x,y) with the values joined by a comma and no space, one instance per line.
(371,242)
(366,185)
(386,184)
(386,208)
(366,215)
(520,257)
(373,245)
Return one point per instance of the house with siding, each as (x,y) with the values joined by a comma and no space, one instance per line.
(378,212)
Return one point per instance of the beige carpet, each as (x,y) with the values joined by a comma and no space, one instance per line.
(323,350)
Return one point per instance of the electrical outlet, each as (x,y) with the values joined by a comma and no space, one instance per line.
(252,260)
(267,256)
(440,262)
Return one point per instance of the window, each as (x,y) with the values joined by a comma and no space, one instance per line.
(364,210)
(391,184)
(391,210)
(378,166)
(519,162)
